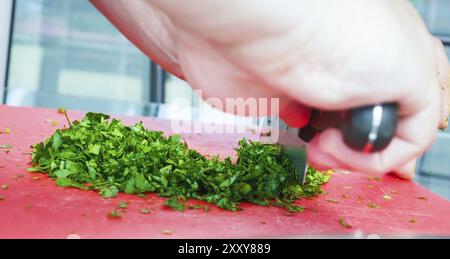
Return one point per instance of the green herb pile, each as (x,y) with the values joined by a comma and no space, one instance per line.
(105,155)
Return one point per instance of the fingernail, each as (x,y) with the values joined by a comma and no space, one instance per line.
(444,124)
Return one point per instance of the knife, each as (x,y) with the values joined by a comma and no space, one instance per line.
(366,129)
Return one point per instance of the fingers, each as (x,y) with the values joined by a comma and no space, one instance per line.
(407,171)
(414,134)
(444,82)
(321,161)
(330,143)
(147,27)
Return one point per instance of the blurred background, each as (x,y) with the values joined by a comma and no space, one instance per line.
(64,53)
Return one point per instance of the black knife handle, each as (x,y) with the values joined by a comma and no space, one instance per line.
(365,129)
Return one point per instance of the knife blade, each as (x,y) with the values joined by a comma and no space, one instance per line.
(295,149)
(366,129)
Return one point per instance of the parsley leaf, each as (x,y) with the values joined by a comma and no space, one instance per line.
(102,154)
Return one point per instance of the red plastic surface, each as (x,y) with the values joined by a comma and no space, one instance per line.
(40,209)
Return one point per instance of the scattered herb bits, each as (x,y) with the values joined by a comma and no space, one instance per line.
(4,186)
(6,146)
(52,122)
(104,155)
(145,211)
(195,207)
(344,223)
(122,205)
(115,214)
(387,197)
(372,205)
(166,232)
(175,203)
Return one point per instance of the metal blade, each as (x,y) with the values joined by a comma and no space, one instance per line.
(295,149)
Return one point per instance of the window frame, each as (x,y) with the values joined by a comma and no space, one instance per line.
(6,24)
(156,80)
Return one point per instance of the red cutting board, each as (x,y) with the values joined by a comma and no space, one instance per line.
(36,208)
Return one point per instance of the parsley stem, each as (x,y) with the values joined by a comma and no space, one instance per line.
(67,118)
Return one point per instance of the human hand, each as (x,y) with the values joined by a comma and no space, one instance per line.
(329,55)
